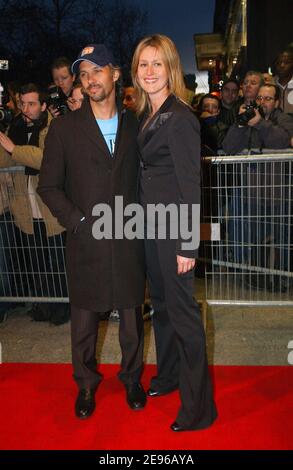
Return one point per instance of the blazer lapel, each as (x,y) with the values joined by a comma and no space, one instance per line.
(154,125)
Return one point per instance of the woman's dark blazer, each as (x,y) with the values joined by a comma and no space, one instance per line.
(170,160)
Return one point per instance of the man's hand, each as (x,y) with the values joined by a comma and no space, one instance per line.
(242,109)
(255,120)
(6,143)
(55,112)
(184,264)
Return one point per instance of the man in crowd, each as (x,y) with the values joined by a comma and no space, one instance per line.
(263,186)
(270,127)
(90,158)
(63,80)
(284,80)
(250,86)
(229,100)
(129,98)
(41,241)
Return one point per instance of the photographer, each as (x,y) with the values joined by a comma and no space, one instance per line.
(254,205)
(261,124)
(41,238)
(59,93)
(7,107)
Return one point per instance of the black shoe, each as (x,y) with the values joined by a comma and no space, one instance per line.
(177,428)
(156,393)
(135,396)
(85,403)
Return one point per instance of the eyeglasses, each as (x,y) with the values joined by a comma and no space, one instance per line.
(265,98)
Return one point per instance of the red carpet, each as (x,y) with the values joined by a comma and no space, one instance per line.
(255,406)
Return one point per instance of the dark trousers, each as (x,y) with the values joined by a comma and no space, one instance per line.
(84,333)
(179,336)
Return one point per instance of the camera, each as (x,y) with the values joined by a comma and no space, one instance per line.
(249,113)
(57,101)
(6,114)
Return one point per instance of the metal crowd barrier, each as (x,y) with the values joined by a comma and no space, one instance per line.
(32,264)
(247,199)
(247,213)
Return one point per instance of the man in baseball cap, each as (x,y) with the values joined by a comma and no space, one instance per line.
(82,167)
(98,77)
(97,54)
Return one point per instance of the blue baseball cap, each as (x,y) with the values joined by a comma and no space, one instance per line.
(97,54)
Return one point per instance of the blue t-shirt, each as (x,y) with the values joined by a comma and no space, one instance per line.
(109,130)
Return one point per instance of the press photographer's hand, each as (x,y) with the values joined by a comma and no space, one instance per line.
(255,120)
(6,143)
(54,111)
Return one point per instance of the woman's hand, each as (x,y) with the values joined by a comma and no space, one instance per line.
(184,264)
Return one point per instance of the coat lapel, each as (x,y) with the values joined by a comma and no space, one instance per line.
(154,125)
(90,127)
(118,140)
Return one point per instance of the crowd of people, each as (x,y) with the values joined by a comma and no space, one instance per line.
(80,146)
(256,114)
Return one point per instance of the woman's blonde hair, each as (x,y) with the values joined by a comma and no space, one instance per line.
(172,62)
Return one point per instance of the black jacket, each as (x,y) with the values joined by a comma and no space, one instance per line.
(170,154)
(77,173)
(274,133)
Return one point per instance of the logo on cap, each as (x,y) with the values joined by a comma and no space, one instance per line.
(87,50)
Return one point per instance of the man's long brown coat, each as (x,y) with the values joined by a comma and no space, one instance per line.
(77,173)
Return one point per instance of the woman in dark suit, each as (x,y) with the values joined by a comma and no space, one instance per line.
(169,144)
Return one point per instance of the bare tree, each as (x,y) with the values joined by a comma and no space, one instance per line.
(35,34)
(61,17)
(119,24)
(93,22)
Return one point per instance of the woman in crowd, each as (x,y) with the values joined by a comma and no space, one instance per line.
(76,98)
(169,143)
